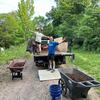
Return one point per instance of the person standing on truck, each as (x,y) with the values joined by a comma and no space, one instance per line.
(38,37)
(51,53)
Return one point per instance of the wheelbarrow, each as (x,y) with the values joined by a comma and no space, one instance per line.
(16,66)
(76,83)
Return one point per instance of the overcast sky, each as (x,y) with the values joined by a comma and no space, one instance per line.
(41,6)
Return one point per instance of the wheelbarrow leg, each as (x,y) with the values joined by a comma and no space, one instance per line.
(18,74)
(21,76)
(12,75)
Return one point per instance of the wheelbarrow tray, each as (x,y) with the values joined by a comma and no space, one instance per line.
(16,69)
(16,66)
(76,82)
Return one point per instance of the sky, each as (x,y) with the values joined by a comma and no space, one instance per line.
(41,6)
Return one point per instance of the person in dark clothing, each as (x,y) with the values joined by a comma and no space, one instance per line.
(31,46)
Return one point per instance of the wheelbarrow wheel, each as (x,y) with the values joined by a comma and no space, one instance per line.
(63,85)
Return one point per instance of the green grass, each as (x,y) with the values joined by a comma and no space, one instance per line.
(13,53)
(88,62)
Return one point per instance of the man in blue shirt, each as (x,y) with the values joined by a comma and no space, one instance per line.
(51,53)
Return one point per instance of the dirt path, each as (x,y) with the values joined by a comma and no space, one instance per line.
(30,88)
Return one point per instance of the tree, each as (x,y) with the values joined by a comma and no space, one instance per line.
(43,23)
(78,19)
(25,14)
(9,29)
(39,21)
(89,29)
(48,29)
(66,15)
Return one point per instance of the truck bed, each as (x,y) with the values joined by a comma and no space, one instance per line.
(60,58)
(44,54)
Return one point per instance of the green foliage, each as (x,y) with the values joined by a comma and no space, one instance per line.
(66,15)
(48,29)
(13,53)
(89,62)
(5,40)
(39,21)
(78,19)
(25,14)
(89,29)
(9,30)
(16,27)
(43,23)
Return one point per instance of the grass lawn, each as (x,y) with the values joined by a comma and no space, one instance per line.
(13,53)
(88,62)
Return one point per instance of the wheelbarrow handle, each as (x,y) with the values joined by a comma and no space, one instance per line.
(92,83)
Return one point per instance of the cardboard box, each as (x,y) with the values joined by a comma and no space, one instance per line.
(63,46)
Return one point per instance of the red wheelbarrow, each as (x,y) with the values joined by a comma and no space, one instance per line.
(16,66)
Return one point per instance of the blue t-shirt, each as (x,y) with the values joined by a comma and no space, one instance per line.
(52,47)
